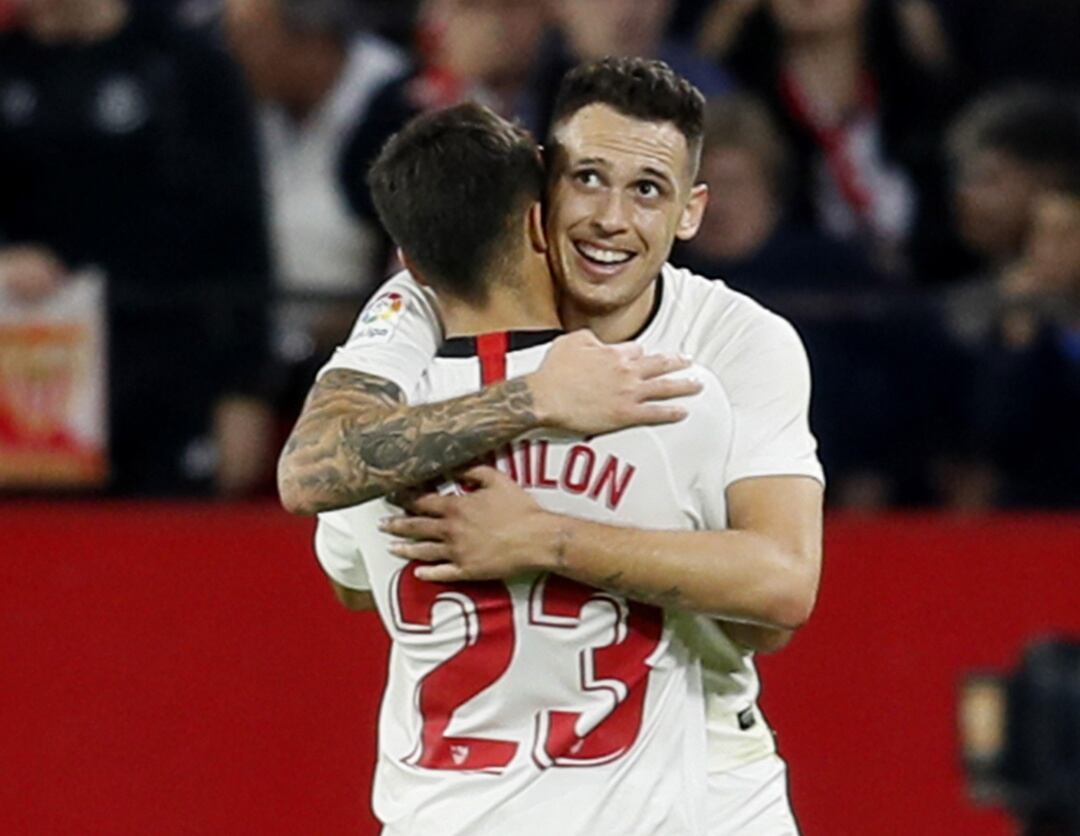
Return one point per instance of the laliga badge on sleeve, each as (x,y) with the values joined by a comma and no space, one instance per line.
(380,318)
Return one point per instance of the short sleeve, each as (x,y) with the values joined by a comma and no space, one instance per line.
(714,469)
(338,552)
(395,337)
(769,387)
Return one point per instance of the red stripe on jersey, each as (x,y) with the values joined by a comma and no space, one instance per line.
(491,349)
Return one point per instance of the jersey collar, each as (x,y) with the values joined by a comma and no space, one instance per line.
(515,340)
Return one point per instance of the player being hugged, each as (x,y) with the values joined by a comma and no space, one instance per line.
(534,705)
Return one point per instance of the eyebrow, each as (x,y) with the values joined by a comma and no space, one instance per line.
(660,175)
(650,170)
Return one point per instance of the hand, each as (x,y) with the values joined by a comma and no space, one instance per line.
(493,533)
(30,273)
(588,387)
(244,431)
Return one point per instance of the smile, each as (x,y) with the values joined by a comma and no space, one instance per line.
(602,256)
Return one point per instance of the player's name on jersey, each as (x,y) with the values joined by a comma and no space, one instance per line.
(573,467)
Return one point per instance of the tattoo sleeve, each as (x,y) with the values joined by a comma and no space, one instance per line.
(356,439)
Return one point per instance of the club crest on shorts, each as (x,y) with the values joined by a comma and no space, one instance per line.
(380,318)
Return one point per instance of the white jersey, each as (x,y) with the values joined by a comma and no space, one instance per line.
(762,366)
(541,705)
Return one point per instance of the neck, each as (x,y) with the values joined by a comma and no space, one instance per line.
(610,326)
(828,67)
(323,63)
(525,302)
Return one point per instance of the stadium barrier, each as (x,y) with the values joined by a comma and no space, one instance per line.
(182,668)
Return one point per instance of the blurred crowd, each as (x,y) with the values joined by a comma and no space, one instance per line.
(901,178)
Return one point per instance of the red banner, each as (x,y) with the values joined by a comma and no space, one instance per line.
(175,669)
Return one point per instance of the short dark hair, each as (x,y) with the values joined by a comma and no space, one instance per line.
(641,88)
(450,188)
(1038,126)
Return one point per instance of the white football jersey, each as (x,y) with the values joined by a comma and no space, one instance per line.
(541,705)
(761,365)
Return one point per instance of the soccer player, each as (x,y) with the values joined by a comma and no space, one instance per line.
(623,153)
(537,705)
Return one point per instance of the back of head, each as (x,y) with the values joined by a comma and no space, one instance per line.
(451,188)
(640,88)
(325,17)
(1036,126)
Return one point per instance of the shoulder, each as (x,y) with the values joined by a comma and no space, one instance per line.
(400,300)
(402,286)
(709,421)
(722,319)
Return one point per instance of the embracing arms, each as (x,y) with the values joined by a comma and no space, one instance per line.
(763,571)
(356,439)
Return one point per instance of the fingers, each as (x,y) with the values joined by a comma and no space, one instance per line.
(629,351)
(665,388)
(441,573)
(414,528)
(425,552)
(428,504)
(655,365)
(656,414)
(484,476)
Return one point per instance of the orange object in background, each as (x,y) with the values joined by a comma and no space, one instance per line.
(52,389)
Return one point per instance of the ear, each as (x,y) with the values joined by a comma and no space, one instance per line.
(692,213)
(537,235)
(410,265)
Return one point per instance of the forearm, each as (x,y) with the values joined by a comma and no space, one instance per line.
(356,441)
(757,637)
(736,576)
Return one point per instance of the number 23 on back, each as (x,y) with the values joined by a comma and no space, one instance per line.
(616,667)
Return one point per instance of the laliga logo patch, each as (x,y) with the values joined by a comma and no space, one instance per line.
(380,318)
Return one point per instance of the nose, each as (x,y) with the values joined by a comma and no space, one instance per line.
(611,216)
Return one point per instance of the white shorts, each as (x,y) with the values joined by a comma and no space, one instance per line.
(751,800)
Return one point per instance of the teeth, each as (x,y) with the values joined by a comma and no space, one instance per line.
(602,255)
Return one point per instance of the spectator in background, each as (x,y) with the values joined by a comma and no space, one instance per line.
(1025,406)
(1011,149)
(864,394)
(315,73)
(480,49)
(467,49)
(862,100)
(593,30)
(746,237)
(126,143)
(1007,148)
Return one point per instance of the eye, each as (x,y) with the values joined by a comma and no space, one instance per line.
(587,177)
(647,188)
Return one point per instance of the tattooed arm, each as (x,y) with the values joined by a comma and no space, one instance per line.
(356,439)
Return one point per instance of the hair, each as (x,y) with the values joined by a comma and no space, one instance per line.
(639,88)
(328,17)
(743,121)
(1037,126)
(450,188)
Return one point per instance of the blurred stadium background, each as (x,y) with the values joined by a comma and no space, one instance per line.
(184,235)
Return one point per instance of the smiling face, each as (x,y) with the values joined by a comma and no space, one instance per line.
(621,192)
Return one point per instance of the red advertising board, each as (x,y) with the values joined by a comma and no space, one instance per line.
(176,669)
